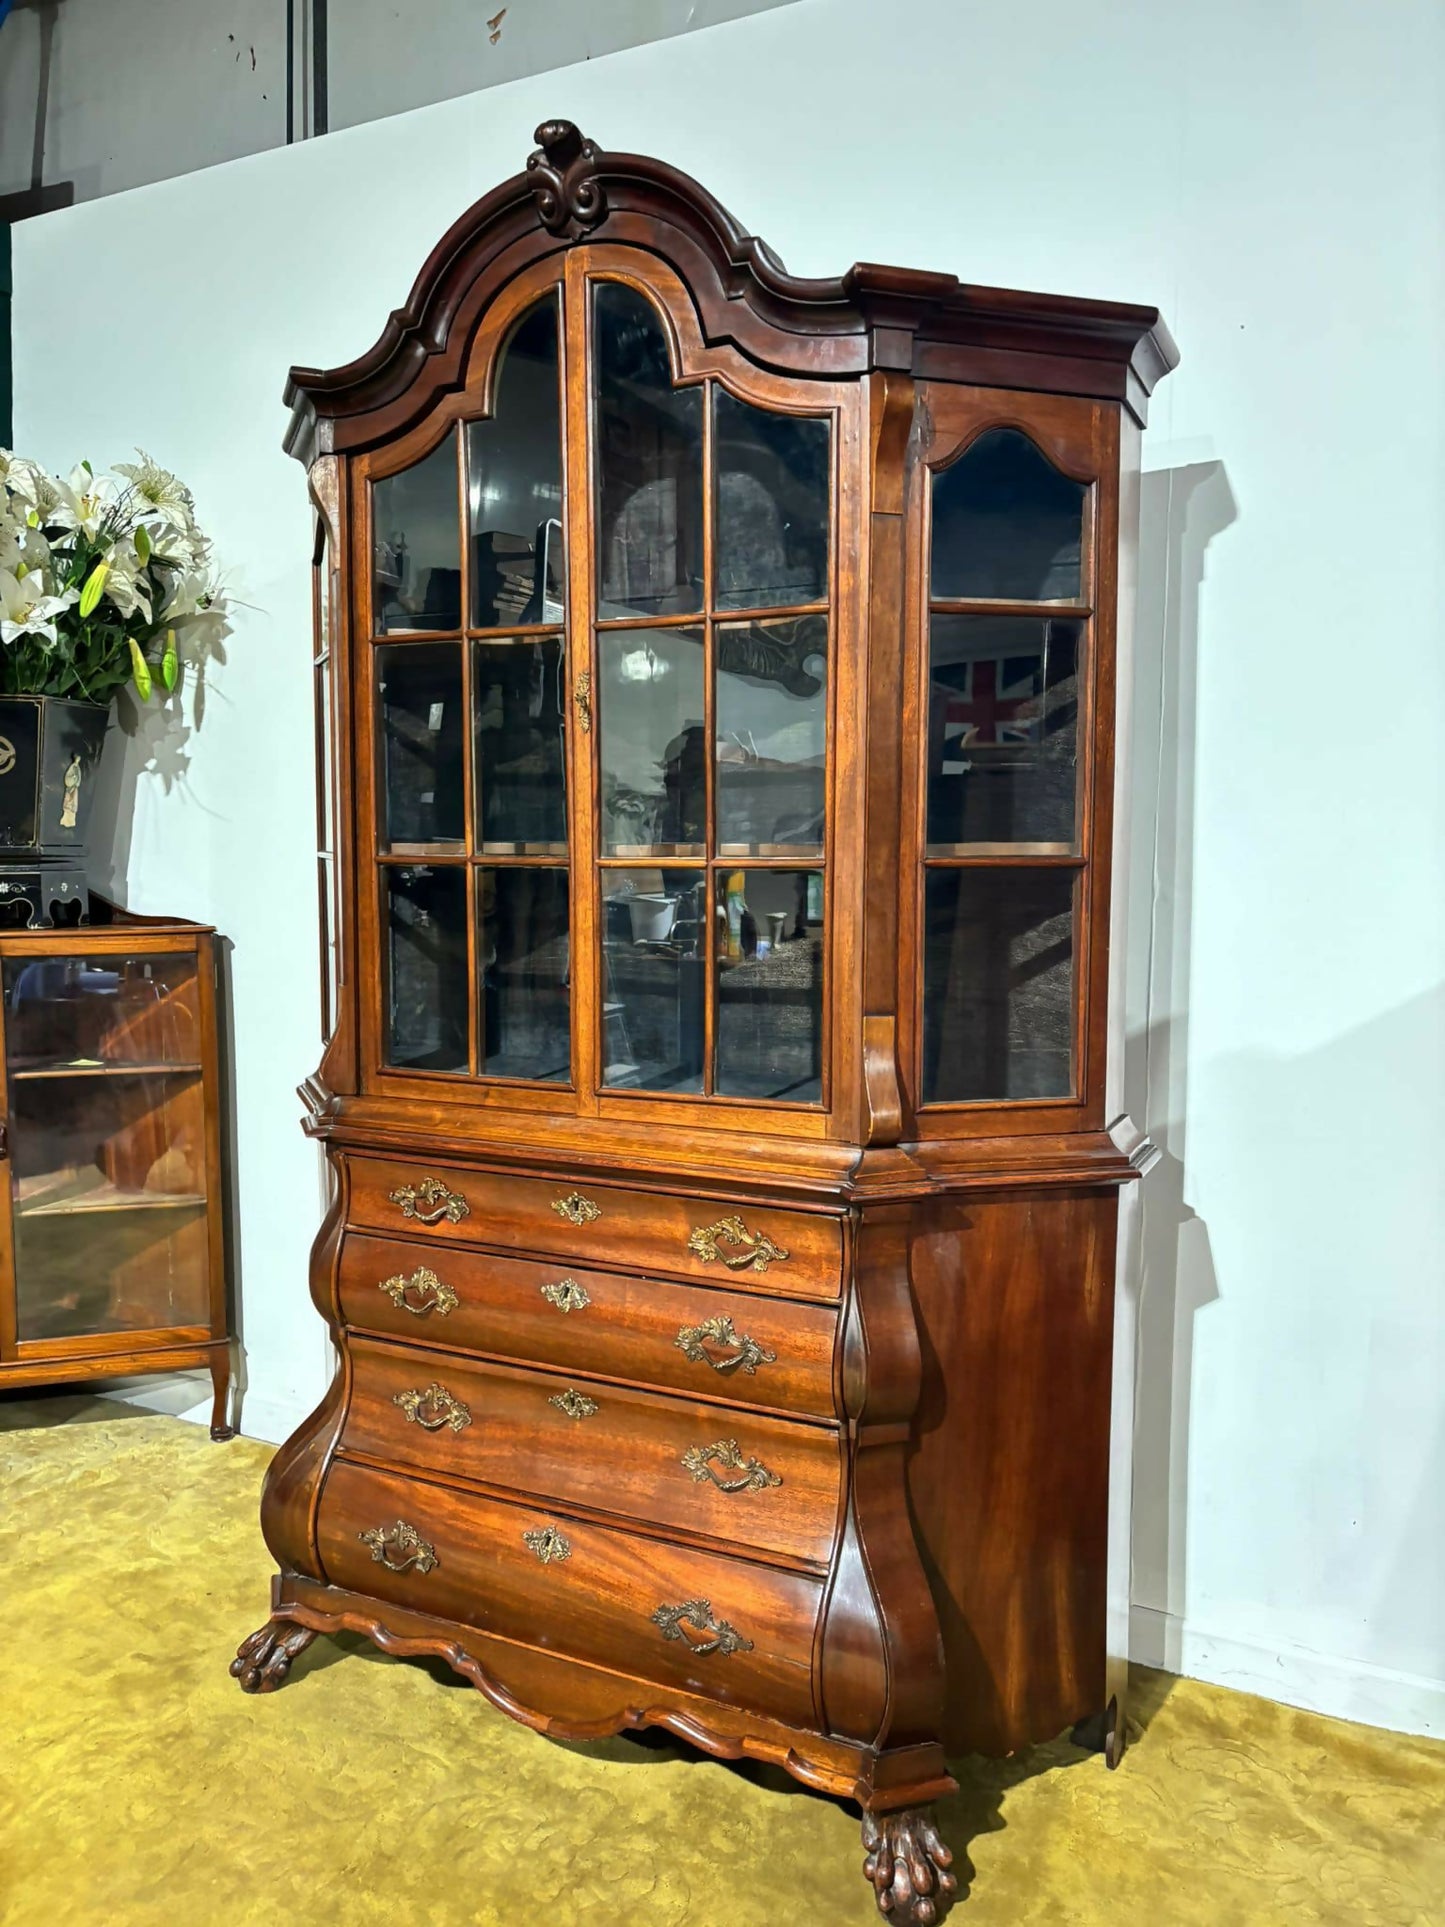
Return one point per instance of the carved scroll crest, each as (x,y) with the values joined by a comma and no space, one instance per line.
(563,172)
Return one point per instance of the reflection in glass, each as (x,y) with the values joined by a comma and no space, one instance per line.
(425,910)
(521,779)
(416,545)
(653,951)
(1003,714)
(514,484)
(1007,524)
(72,1015)
(770,985)
(648,439)
(998,971)
(772,505)
(772,716)
(419,695)
(653,755)
(522,956)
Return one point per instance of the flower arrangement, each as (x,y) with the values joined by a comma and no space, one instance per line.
(104,579)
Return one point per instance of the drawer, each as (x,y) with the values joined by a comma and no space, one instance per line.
(787,1252)
(750,1351)
(749,1481)
(698,1621)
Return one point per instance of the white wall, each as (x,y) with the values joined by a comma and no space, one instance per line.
(1272,178)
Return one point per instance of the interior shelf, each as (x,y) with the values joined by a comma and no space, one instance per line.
(83,1067)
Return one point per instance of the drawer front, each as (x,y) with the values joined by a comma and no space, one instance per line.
(750,1351)
(763,1251)
(756,1482)
(694,1620)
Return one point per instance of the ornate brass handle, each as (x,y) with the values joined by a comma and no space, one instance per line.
(430,1201)
(576,1209)
(548,1544)
(434,1408)
(434,1295)
(694,1617)
(574,1404)
(566,1295)
(755,1252)
(582,696)
(398,1547)
(693,1340)
(754,1475)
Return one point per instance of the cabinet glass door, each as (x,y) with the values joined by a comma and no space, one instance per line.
(107,1143)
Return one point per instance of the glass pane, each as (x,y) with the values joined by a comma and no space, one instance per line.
(417,575)
(770,985)
(1007,524)
(653,751)
(420,698)
(518,690)
(523,956)
(773,475)
(649,465)
(772,718)
(653,958)
(514,484)
(70,1016)
(998,984)
(426,917)
(1003,713)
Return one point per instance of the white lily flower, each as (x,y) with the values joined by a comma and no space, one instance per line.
(26,609)
(29,486)
(127,586)
(23,550)
(84,503)
(161,496)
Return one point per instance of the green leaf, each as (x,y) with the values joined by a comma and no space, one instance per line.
(142,543)
(169,664)
(87,467)
(94,583)
(140,671)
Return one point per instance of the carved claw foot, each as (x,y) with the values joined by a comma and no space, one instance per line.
(265,1658)
(908,1865)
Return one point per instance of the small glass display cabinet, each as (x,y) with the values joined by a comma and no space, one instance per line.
(111,1212)
(716,686)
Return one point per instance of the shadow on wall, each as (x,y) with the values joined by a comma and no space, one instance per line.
(1182,510)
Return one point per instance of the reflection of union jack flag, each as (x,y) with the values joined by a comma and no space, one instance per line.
(995,703)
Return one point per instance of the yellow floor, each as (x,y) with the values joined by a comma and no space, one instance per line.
(138,1784)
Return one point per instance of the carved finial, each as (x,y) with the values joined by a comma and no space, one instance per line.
(565,186)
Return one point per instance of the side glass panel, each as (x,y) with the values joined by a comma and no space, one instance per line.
(419,699)
(514,484)
(998,1010)
(770,984)
(653,959)
(771,719)
(773,476)
(416,546)
(652,745)
(519,701)
(1003,713)
(425,911)
(107,1151)
(523,960)
(647,451)
(1007,525)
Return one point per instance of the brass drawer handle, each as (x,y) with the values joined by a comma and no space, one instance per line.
(434,1408)
(430,1201)
(428,1288)
(576,1209)
(693,1340)
(694,1617)
(756,1250)
(387,1542)
(582,696)
(566,1296)
(755,1476)
(548,1544)
(574,1404)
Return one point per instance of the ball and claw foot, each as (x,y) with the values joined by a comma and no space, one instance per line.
(908,1865)
(265,1658)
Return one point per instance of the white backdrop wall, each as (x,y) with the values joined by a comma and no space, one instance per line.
(1270,176)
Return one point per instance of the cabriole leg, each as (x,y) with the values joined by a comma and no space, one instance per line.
(264,1660)
(908,1866)
(221,1426)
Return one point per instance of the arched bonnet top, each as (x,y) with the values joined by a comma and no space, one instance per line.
(929,325)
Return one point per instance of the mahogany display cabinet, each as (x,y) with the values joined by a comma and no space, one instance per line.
(112,1258)
(717,681)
